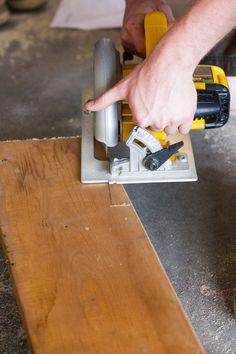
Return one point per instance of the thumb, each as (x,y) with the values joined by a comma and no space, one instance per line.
(116,93)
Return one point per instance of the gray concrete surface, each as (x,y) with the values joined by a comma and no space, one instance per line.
(192,226)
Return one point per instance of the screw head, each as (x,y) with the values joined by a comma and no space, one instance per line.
(182,158)
(151,164)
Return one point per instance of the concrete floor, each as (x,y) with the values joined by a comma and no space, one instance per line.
(192,226)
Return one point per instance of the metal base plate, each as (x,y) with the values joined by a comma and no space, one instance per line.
(96,171)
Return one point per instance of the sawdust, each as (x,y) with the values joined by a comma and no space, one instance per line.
(32,31)
(26,32)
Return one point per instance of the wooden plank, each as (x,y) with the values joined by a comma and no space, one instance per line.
(86,277)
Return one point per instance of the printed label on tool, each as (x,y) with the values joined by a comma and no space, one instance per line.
(203,74)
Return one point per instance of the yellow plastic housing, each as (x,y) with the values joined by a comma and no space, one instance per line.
(155,26)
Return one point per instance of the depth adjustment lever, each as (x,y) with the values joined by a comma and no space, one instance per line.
(153,161)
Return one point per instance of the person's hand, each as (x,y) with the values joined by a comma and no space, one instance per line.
(132,34)
(160,92)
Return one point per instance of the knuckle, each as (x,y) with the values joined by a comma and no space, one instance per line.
(129,25)
(155,129)
(160,124)
(157,126)
(184,129)
(139,121)
(174,120)
(170,130)
(124,36)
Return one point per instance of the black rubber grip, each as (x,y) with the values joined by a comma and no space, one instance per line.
(208,103)
(213,104)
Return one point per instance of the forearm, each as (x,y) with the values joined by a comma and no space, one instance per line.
(205,24)
(128,2)
(136,3)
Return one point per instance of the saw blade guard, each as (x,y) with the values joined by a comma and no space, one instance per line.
(107,71)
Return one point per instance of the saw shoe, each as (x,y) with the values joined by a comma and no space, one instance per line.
(25,5)
(4,13)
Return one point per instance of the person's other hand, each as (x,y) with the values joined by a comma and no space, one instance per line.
(160,92)
(132,34)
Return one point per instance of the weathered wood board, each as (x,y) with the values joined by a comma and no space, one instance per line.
(86,277)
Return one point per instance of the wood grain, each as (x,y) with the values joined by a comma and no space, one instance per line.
(86,277)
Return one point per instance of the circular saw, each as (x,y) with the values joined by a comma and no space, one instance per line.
(134,154)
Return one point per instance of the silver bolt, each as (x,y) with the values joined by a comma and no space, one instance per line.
(182,158)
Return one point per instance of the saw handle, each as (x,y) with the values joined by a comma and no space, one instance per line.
(208,103)
(213,105)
